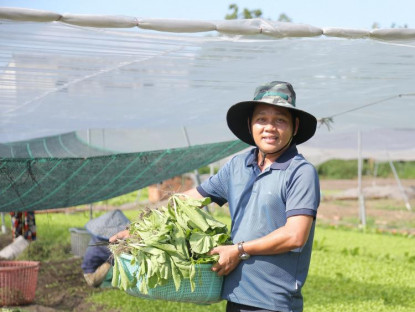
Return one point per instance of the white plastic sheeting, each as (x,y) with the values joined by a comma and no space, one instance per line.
(129,91)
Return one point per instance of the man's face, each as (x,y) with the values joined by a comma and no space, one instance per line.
(271,127)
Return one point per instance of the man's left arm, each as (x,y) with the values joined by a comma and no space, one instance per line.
(303,198)
(294,234)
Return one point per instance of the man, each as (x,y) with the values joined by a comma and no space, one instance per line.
(273,196)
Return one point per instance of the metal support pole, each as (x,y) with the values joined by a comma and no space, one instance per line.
(375,172)
(405,198)
(195,172)
(3,224)
(362,209)
(89,144)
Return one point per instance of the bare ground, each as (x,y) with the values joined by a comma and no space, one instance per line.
(384,202)
(61,286)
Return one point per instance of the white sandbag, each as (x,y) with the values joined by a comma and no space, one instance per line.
(346,33)
(285,29)
(393,34)
(29,15)
(240,27)
(13,250)
(103,21)
(176,25)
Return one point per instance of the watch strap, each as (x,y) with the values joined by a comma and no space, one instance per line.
(241,247)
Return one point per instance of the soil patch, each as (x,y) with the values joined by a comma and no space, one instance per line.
(60,286)
(385,206)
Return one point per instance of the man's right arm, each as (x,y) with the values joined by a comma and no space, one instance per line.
(125,233)
(193,193)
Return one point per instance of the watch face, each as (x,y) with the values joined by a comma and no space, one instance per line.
(244,256)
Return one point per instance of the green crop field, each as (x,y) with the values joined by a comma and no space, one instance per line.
(351,270)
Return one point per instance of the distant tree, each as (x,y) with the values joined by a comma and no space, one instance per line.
(246,14)
(393,25)
(234,14)
(376,25)
(284,18)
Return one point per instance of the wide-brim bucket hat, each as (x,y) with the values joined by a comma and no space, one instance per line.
(107,225)
(277,93)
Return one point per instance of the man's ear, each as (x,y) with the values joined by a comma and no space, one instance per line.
(297,124)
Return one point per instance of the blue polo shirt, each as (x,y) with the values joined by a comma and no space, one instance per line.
(259,203)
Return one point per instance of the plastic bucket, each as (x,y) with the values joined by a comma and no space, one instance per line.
(80,238)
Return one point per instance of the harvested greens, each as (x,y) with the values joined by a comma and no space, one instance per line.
(167,243)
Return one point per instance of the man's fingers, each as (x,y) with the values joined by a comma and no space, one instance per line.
(120,235)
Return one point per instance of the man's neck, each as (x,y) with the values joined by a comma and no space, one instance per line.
(264,163)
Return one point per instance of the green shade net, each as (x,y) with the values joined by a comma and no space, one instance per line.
(63,171)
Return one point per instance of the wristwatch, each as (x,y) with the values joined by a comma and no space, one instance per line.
(243,255)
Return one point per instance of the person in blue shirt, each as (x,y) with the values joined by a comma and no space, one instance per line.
(273,194)
(97,262)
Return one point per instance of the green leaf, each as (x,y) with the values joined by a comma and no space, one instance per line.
(192,277)
(201,243)
(115,274)
(177,277)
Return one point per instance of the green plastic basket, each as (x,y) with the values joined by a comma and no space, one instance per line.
(208,285)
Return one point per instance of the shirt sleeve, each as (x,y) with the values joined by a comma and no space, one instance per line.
(216,187)
(303,191)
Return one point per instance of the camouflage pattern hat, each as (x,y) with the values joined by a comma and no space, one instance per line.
(276,93)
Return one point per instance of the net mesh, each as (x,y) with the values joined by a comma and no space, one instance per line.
(53,181)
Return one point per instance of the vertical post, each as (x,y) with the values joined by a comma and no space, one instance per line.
(362,210)
(405,198)
(195,172)
(375,172)
(3,224)
(103,138)
(88,135)
(211,170)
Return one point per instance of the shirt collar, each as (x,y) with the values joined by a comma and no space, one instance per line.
(281,163)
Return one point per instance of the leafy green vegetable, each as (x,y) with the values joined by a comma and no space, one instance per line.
(166,243)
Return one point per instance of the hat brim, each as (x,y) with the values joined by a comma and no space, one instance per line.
(107,225)
(237,119)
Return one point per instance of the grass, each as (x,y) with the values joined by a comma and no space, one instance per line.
(132,197)
(115,299)
(387,204)
(351,270)
(357,271)
(347,169)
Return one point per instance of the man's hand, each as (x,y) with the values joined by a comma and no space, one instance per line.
(228,259)
(120,235)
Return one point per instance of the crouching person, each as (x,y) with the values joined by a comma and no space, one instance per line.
(97,262)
